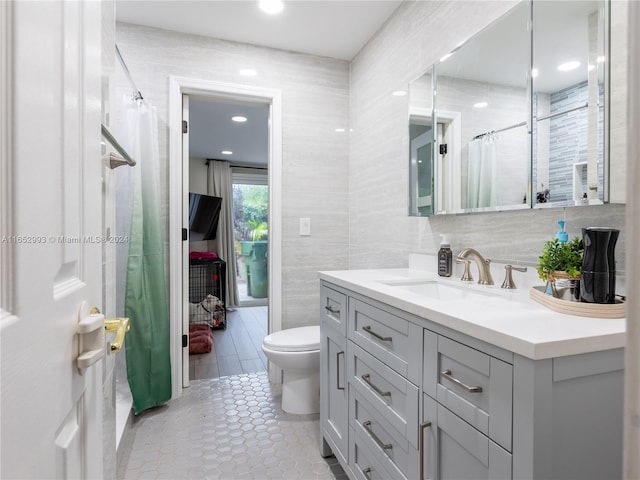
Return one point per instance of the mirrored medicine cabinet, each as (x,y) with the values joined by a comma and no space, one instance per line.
(516,117)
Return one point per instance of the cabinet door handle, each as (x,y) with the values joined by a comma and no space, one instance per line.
(367,328)
(330,309)
(367,378)
(423,427)
(447,374)
(338,370)
(367,427)
(366,472)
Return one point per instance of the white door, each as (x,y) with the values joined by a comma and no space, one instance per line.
(422,167)
(51,259)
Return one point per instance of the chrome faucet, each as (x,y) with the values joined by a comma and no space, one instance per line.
(484,269)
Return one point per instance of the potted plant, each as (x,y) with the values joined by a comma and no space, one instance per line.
(561,261)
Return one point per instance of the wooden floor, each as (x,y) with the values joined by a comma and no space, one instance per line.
(237,349)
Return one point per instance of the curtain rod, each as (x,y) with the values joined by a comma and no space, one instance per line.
(537,119)
(136,93)
(234,165)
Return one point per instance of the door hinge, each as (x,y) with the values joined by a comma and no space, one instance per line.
(185,341)
(443,149)
(184,235)
(185,126)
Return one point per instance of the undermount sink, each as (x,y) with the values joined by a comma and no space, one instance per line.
(445,291)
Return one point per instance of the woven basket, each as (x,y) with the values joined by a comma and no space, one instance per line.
(553,277)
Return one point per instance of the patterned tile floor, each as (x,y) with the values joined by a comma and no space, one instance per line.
(226,428)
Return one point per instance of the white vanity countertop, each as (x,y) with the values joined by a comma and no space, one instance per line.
(505,318)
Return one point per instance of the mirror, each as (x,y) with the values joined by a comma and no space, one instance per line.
(569,103)
(486,136)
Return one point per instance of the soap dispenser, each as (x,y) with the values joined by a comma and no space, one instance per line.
(562,236)
(445,258)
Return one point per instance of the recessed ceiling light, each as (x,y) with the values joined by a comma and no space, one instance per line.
(239,119)
(340,130)
(399,93)
(565,67)
(226,152)
(534,72)
(248,72)
(271,6)
(480,105)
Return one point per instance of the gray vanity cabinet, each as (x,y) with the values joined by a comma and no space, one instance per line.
(402,395)
(334,386)
(467,411)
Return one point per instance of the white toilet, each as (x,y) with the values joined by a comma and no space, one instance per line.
(297,352)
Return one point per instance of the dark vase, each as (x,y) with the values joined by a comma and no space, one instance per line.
(611,257)
(596,285)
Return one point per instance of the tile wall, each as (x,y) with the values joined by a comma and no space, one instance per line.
(381,233)
(315,101)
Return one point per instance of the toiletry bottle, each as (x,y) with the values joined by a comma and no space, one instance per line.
(445,258)
(562,236)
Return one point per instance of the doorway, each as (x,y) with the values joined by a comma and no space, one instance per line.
(179,168)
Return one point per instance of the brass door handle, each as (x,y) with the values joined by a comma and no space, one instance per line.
(119,325)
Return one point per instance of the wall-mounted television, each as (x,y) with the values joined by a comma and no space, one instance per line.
(204,213)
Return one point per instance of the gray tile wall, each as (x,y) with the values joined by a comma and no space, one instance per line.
(315,93)
(568,143)
(381,232)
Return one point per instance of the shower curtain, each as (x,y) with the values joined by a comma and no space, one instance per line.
(220,184)
(147,343)
(482,173)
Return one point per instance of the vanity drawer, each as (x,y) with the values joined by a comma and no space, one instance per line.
(365,463)
(473,385)
(390,446)
(454,450)
(333,309)
(393,340)
(393,396)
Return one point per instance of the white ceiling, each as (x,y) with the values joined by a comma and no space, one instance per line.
(329,28)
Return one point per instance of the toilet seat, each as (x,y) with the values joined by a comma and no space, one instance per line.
(300,339)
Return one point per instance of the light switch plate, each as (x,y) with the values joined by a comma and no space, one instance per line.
(305,227)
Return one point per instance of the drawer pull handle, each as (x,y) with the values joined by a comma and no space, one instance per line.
(330,309)
(366,472)
(338,370)
(447,374)
(367,378)
(423,427)
(367,427)
(367,329)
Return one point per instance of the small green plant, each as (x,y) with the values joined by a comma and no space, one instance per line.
(560,257)
(259,230)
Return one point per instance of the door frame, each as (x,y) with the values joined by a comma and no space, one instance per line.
(448,190)
(179,86)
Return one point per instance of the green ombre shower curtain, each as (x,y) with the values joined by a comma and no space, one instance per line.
(147,343)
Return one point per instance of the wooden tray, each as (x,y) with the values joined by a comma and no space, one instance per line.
(595,310)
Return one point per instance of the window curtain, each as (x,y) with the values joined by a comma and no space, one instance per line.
(220,184)
(147,342)
(482,173)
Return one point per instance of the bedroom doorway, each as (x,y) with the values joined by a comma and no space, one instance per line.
(179,146)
